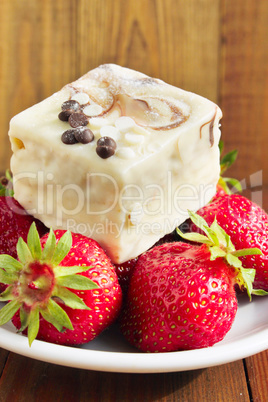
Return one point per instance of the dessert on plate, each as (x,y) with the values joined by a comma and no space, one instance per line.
(121,160)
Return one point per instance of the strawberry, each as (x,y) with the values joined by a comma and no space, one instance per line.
(125,269)
(124,272)
(14,223)
(247,225)
(181,296)
(62,289)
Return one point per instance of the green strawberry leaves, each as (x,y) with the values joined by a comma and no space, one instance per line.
(259,292)
(76,282)
(23,251)
(7,294)
(227,161)
(62,248)
(46,314)
(59,314)
(62,271)
(70,299)
(37,272)
(227,182)
(50,246)
(33,241)
(8,277)
(8,311)
(33,325)
(8,262)
(221,246)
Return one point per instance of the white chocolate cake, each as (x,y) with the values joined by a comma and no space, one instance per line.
(117,156)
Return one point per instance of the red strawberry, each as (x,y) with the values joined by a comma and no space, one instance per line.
(178,301)
(62,290)
(15,222)
(124,272)
(181,296)
(125,269)
(247,225)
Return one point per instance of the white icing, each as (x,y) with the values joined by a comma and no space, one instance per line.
(110,131)
(124,123)
(125,153)
(81,98)
(92,110)
(98,122)
(133,138)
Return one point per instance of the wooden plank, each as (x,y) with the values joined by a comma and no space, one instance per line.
(244,84)
(174,40)
(257,369)
(29,380)
(3,357)
(38,56)
(189,40)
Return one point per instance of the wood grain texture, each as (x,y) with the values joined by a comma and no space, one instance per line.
(3,358)
(38,56)
(27,380)
(174,40)
(257,369)
(244,84)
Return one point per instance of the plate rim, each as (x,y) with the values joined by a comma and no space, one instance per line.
(138,362)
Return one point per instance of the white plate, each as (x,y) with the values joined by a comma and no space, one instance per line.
(110,352)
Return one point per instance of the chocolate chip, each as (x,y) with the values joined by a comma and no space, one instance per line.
(68,137)
(64,115)
(68,107)
(106,147)
(71,105)
(77,119)
(83,135)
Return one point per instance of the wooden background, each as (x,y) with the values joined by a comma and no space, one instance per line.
(216,48)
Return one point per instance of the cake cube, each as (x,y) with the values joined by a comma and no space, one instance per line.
(117,156)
